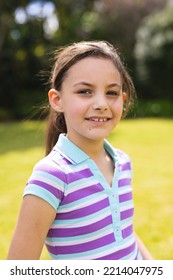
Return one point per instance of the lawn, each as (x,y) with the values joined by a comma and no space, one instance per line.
(147,141)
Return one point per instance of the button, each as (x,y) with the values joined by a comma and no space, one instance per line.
(115,196)
(117,229)
(116,211)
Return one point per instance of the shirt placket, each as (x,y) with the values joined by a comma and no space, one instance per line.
(115,207)
(113,197)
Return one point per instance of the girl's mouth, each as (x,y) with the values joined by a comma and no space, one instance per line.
(98,119)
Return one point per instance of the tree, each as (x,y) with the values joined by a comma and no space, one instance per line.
(154,55)
(22,51)
(114,20)
(25,42)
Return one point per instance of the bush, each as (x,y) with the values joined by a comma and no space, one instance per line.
(154,108)
(154,55)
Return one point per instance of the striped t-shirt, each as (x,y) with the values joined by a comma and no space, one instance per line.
(93,220)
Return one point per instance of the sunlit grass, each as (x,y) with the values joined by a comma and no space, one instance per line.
(21,146)
(150,145)
(148,142)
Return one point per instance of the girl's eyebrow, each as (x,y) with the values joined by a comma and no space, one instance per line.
(83,83)
(114,85)
(91,85)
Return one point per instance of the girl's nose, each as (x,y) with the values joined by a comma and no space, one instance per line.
(100,104)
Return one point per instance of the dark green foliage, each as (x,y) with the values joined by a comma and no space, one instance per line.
(154,55)
(25,48)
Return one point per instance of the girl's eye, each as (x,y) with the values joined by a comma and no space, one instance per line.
(84,91)
(113,93)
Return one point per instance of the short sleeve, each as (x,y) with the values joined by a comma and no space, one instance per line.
(46,182)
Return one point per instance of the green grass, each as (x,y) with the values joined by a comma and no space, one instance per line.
(148,142)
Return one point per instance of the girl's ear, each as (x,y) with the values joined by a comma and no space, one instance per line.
(55,100)
(124,96)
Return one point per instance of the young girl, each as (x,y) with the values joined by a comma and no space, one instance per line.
(78,199)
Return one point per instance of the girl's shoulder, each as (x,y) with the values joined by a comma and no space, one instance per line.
(116,153)
(124,160)
(121,154)
(52,164)
(47,181)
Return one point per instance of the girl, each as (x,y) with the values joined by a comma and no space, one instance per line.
(78,199)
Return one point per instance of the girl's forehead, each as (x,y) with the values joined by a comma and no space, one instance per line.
(92,63)
(93,69)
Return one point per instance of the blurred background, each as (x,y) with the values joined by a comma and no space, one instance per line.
(142,30)
(30,31)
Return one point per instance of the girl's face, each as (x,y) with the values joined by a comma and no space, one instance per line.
(91,99)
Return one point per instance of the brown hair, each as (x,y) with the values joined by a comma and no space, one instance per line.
(66,57)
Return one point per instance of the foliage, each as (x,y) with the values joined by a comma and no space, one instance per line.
(26,44)
(22,54)
(154,54)
(153,108)
(149,144)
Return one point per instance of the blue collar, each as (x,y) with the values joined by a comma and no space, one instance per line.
(73,153)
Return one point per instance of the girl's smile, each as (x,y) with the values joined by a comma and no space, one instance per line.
(98,120)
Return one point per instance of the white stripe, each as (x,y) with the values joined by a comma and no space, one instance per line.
(126,174)
(124,190)
(74,187)
(77,242)
(46,180)
(82,203)
(126,224)
(107,252)
(126,207)
(71,169)
(83,223)
(132,255)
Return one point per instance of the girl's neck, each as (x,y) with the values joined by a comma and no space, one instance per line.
(94,149)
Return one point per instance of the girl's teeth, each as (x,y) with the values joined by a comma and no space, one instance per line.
(99,120)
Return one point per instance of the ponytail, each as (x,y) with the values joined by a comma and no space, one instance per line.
(55,126)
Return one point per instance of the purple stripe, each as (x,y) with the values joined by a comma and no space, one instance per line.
(138,255)
(85,211)
(81,193)
(119,152)
(69,232)
(56,192)
(124,182)
(127,214)
(52,171)
(78,175)
(125,166)
(63,161)
(125,197)
(127,231)
(120,254)
(85,247)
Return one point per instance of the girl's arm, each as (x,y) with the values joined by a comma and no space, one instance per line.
(34,221)
(143,250)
